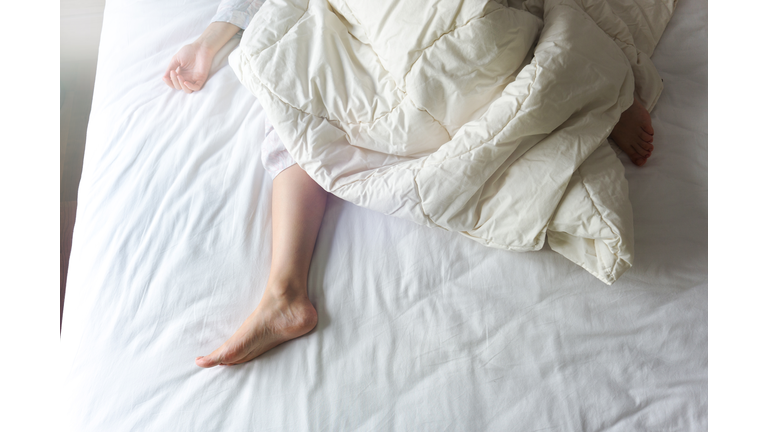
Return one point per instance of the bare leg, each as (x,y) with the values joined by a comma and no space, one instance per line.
(284,312)
(634,133)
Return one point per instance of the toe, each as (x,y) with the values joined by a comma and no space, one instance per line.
(230,356)
(647,128)
(646,145)
(640,161)
(646,136)
(206,362)
(629,151)
(213,359)
(637,146)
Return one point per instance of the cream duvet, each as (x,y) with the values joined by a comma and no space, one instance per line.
(484,118)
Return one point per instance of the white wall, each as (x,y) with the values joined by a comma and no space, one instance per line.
(80,29)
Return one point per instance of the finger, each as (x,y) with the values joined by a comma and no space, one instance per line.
(167,75)
(173,64)
(167,79)
(170,75)
(175,80)
(192,86)
(183,87)
(180,79)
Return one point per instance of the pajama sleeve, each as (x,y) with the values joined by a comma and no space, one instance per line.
(237,12)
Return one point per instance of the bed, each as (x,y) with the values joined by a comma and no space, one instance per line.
(419,328)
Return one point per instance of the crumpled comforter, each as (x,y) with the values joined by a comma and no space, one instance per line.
(481,117)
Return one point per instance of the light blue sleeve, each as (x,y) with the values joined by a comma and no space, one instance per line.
(237,12)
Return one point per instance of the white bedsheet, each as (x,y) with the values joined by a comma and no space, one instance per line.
(419,329)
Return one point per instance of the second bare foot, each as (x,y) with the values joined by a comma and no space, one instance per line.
(277,319)
(634,133)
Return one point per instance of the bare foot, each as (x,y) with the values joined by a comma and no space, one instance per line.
(634,133)
(277,319)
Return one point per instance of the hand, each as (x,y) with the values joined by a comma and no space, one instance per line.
(189,68)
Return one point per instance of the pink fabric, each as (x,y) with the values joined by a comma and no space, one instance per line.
(274,155)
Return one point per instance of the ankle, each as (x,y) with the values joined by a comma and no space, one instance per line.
(286,288)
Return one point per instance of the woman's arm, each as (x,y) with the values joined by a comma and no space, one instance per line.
(190,67)
(216,35)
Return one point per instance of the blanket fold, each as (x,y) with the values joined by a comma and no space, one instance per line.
(480,117)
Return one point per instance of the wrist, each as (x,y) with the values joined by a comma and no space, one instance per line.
(215,36)
(205,48)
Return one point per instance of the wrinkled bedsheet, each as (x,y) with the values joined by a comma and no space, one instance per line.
(419,329)
(478,118)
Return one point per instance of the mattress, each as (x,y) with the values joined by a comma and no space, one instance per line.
(418,329)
